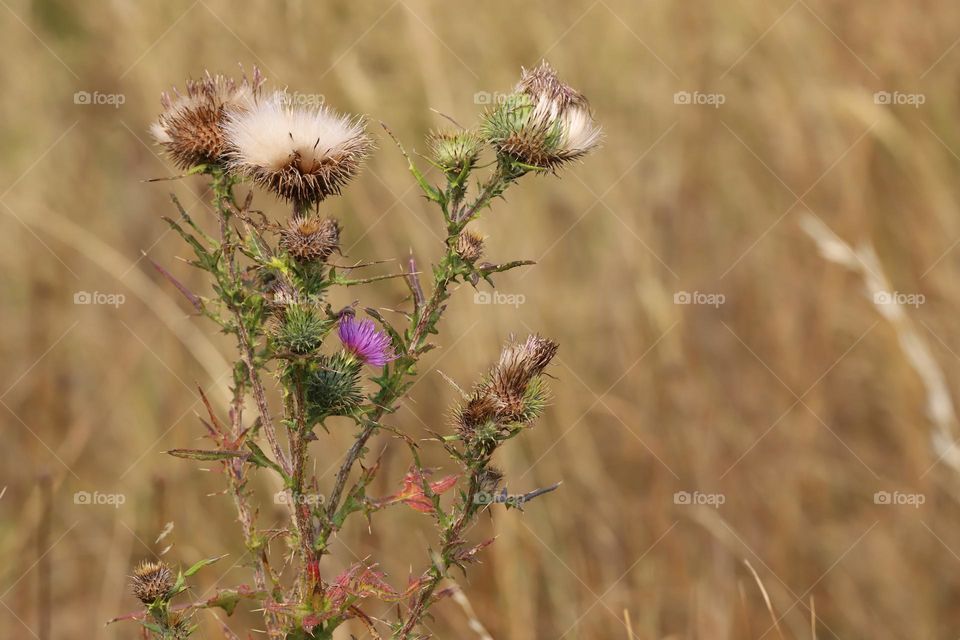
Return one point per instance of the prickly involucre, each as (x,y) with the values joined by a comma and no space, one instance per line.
(544,123)
(303,153)
(311,238)
(151,581)
(512,394)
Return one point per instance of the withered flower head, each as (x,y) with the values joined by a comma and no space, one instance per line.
(455,151)
(490,479)
(469,245)
(544,123)
(510,381)
(303,153)
(311,238)
(512,393)
(151,581)
(190,128)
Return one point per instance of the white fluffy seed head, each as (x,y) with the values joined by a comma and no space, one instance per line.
(304,153)
(544,123)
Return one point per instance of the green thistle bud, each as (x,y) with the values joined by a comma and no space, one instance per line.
(455,151)
(299,328)
(333,386)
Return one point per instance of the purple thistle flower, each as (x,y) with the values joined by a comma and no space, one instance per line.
(361,338)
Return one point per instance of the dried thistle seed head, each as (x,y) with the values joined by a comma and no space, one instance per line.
(480,409)
(303,153)
(470,245)
(311,238)
(543,82)
(544,123)
(490,479)
(151,581)
(512,379)
(455,151)
(190,128)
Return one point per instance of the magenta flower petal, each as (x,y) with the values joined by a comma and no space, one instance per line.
(362,339)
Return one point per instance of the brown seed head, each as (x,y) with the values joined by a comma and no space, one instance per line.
(470,245)
(490,479)
(190,127)
(543,82)
(151,581)
(311,238)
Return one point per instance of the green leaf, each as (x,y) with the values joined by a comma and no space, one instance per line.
(207,454)
(201,564)
(260,459)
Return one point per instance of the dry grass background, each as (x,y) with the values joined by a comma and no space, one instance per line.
(793,399)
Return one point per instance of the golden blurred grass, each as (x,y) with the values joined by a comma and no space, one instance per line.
(792,399)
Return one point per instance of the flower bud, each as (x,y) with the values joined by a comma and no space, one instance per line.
(332,386)
(299,328)
(455,151)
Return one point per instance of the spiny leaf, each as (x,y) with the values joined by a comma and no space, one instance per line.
(208,454)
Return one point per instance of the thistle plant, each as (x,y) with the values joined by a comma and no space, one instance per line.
(271,282)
